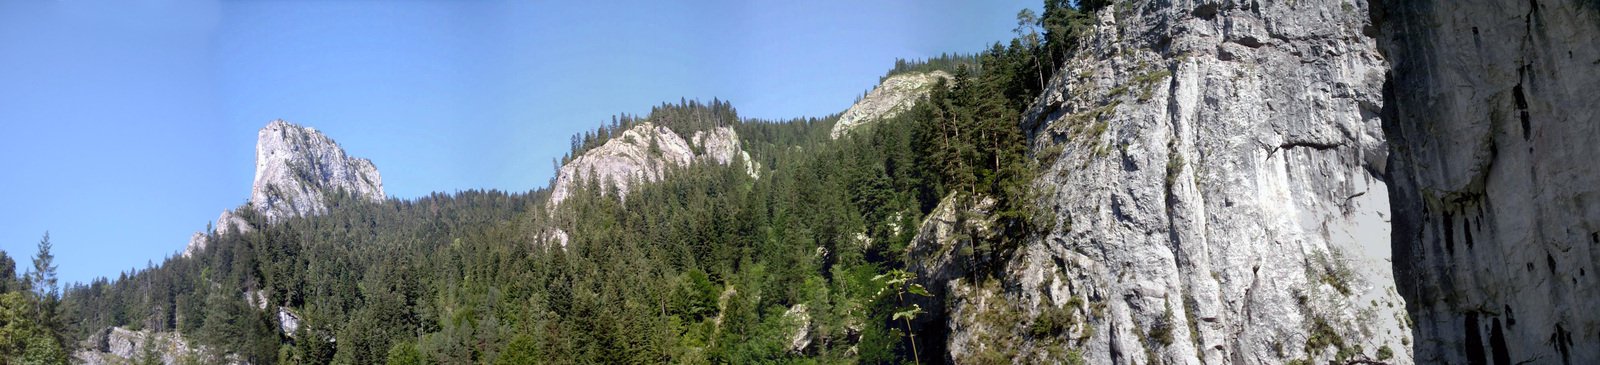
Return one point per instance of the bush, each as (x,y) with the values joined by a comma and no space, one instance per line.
(1052,322)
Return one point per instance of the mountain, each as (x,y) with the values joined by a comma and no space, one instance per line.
(643,154)
(894,95)
(1316,181)
(296,169)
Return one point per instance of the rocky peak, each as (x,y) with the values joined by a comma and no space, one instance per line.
(297,168)
(645,152)
(893,96)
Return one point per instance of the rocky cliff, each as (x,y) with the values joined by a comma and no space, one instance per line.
(297,168)
(1217,194)
(893,96)
(118,345)
(1492,124)
(644,153)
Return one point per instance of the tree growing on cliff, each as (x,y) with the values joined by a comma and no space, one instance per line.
(1027,31)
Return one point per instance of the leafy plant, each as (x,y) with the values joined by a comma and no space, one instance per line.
(899,282)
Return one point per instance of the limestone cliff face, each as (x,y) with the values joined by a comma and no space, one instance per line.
(297,168)
(119,345)
(1494,136)
(643,154)
(893,96)
(1213,169)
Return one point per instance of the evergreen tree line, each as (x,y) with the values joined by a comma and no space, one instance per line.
(683,118)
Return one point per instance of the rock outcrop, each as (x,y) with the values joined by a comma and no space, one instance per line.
(118,345)
(893,96)
(1214,170)
(1493,131)
(297,169)
(644,153)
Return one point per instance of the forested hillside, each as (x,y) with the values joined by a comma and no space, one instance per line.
(802,262)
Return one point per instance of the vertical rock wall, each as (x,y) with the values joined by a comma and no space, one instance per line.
(1494,130)
(297,167)
(1214,169)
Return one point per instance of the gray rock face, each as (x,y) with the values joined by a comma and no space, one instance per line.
(119,345)
(297,167)
(800,335)
(643,154)
(1211,166)
(230,222)
(893,96)
(1493,138)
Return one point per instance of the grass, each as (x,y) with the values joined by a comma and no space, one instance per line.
(1148,82)
(1322,335)
(1162,330)
(1174,165)
(1052,322)
(1335,272)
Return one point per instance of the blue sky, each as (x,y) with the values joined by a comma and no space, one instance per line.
(131,124)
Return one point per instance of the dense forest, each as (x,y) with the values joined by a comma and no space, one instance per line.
(708,265)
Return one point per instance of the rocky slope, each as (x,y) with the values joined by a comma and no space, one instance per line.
(1493,129)
(119,345)
(1217,197)
(644,153)
(297,168)
(893,96)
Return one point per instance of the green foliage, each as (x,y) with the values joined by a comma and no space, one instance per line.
(406,353)
(1385,353)
(1065,26)
(1161,331)
(970,143)
(683,118)
(944,62)
(23,339)
(43,276)
(1322,335)
(1053,321)
(1335,272)
(522,349)
(1075,357)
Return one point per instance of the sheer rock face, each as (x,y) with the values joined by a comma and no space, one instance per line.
(1494,137)
(893,96)
(297,168)
(1215,194)
(643,154)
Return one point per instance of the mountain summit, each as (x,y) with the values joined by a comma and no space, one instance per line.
(297,168)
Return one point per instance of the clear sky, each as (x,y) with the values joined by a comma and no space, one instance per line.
(128,125)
